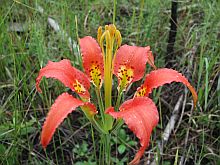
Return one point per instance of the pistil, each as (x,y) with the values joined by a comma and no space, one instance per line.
(112,39)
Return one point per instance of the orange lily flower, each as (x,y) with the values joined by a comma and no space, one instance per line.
(102,60)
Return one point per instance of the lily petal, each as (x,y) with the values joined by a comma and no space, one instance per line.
(129,64)
(92,60)
(141,116)
(63,105)
(163,76)
(68,75)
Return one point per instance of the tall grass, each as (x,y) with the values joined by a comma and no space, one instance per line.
(23,53)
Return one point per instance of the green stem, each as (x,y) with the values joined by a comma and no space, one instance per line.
(100,103)
(119,122)
(105,155)
(108,148)
(120,92)
(140,17)
(117,125)
(97,126)
(94,144)
(114,12)
(101,161)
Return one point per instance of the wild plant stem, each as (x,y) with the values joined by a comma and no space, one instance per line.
(93,142)
(140,17)
(105,156)
(114,12)
(119,122)
(100,103)
(118,99)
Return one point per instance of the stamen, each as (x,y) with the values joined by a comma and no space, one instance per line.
(118,37)
(102,39)
(99,34)
(108,39)
(106,27)
(112,30)
(113,40)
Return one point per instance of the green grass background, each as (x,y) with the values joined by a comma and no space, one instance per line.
(22,54)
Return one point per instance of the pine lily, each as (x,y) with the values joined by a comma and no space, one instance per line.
(101,60)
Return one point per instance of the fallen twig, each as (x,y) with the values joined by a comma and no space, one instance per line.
(175,116)
(183,109)
(190,54)
(182,159)
(169,128)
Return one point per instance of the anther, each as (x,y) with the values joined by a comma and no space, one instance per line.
(102,39)
(99,34)
(106,27)
(108,39)
(118,37)
(112,29)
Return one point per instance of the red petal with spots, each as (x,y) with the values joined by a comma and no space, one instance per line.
(64,72)
(63,105)
(131,57)
(141,116)
(163,76)
(92,59)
